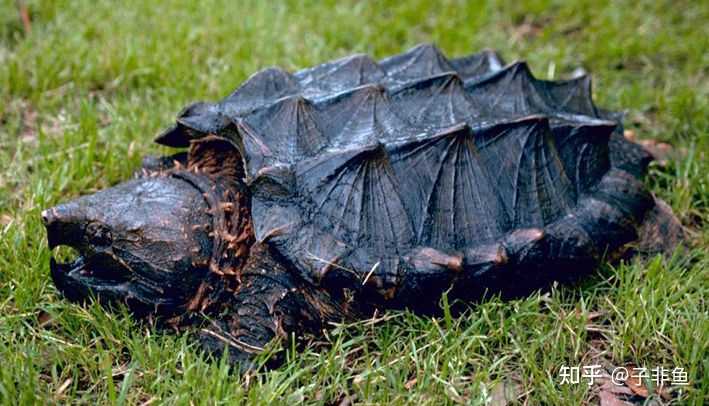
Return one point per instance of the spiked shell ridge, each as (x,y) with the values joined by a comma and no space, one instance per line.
(407,174)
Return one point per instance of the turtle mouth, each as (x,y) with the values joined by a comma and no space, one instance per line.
(104,277)
(72,267)
(89,274)
(89,268)
(99,267)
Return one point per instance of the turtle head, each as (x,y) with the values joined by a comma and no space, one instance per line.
(144,242)
(151,242)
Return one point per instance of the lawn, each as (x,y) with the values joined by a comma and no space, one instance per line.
(85,90)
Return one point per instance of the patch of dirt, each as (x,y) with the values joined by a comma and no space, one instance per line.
(28,132)
(5,219)
(31,123)
(528,29)
(509,391)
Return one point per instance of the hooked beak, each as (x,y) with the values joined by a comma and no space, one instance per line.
(91,273)
(63,228)
(63,225)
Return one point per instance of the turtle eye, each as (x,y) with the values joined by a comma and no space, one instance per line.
(98,234)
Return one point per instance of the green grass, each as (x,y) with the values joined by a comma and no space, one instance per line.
(83,94)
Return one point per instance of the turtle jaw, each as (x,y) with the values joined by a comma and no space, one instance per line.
(64,276)
(88,275)
(95,263)
(77,282)
(98,273)
(95,271)
(83,280)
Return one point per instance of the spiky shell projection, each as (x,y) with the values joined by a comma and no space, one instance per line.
(404,177)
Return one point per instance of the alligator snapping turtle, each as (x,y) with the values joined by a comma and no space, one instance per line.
(358,185)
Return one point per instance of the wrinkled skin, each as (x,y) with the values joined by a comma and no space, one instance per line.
(294,208)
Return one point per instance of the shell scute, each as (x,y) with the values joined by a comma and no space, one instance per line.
(419,171)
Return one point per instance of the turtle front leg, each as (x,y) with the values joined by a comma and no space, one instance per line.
(269,303)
